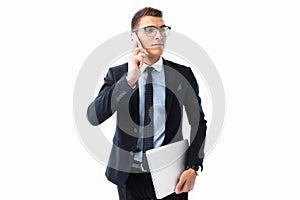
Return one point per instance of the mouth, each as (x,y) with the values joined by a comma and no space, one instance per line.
(158,45)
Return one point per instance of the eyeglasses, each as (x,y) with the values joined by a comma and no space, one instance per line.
(151,31)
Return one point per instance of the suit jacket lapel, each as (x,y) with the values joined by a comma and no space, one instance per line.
(135,106)
(170,83)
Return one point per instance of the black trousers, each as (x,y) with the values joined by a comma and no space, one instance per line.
(139,186)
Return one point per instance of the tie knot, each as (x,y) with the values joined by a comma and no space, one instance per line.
(149,69)
(149,74)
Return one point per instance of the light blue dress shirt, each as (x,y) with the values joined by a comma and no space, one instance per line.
(159,112)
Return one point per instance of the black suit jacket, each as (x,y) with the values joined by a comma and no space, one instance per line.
(117,96)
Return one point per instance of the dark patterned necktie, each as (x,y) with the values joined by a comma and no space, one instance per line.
(148,118)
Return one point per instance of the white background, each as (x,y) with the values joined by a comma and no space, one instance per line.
(254,45)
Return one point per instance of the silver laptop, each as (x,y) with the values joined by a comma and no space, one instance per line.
(166,163)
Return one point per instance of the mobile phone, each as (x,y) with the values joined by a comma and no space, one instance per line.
(136,38)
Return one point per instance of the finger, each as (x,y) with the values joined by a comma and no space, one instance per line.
(139,50)
(179,186)
(140,57)
(135,45)
(185,188)
(189,185)
(141,64)
(135,49)
(145,52)
(140,54)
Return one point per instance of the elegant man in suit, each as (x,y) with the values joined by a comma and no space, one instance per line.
(148,94)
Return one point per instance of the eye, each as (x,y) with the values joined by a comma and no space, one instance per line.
(163,29)
(150,29)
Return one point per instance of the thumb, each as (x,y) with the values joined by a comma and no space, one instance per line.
(179,186)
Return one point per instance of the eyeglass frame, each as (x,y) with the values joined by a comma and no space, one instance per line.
(157,28)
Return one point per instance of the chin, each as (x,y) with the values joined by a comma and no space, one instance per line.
(155,52)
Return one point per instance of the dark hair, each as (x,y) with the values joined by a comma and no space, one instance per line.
(147,11)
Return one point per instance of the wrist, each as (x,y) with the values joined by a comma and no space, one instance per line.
(194,167)
(130,82)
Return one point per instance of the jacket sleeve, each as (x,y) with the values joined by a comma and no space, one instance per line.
(109,97)
(197,122)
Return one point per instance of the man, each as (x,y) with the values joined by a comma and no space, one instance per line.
(148,94)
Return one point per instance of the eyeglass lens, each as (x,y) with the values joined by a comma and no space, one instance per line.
(152,31)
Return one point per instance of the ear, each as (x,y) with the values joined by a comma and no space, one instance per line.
(131,36)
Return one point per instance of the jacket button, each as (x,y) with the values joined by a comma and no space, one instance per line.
(131,153)
(135,130)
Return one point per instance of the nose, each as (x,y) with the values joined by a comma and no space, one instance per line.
(158,35)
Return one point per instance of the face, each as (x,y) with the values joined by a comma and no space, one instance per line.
(154,45)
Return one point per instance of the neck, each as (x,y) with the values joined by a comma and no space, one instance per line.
(149,60)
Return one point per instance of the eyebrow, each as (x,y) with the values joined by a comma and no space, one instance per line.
(155,26)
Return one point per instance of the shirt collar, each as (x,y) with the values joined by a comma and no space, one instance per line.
(157,66)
